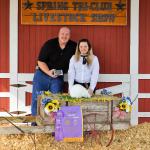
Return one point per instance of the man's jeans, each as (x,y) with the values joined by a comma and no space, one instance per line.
(43,82)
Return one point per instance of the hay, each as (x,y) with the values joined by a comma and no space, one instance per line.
(134,138)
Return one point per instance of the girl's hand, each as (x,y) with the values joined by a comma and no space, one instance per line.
(90,91)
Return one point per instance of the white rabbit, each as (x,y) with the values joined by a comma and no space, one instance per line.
(79,91)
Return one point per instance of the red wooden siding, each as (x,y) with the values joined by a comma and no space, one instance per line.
(104,85)
(28,98)
(4,44)
(4,104)
(4,52)
(144,53)
(4,36)
(113,51)
(4,85)
(144,39)
(143,119)
(144,86)
(144,105)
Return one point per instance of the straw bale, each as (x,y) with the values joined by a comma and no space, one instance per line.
(134,138)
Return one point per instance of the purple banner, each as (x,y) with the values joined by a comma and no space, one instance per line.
(69,124)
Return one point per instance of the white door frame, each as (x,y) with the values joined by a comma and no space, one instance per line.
(13,49)
(134,57)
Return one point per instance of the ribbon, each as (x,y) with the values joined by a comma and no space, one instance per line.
(84,59)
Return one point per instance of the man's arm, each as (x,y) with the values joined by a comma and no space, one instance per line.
(43,66)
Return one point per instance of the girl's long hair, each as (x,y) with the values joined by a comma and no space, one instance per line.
(89,53)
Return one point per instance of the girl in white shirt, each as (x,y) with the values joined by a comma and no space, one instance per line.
(84,67)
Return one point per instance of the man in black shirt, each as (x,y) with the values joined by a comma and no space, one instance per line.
(53,60)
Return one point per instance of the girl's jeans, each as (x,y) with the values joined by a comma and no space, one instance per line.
(43,82)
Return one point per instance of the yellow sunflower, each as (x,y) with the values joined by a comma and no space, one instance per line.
(49,108)
(56,103)
(123,106)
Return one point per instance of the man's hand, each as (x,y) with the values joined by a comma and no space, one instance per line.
(43,66)
(51,73)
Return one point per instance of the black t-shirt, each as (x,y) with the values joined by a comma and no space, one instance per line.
(54,56)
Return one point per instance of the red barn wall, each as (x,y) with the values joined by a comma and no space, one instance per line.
(144,54)
(4,51)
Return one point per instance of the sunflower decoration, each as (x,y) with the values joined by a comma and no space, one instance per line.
(49,108)
(50,105)
(123,106)
(56,103)
(121,110)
